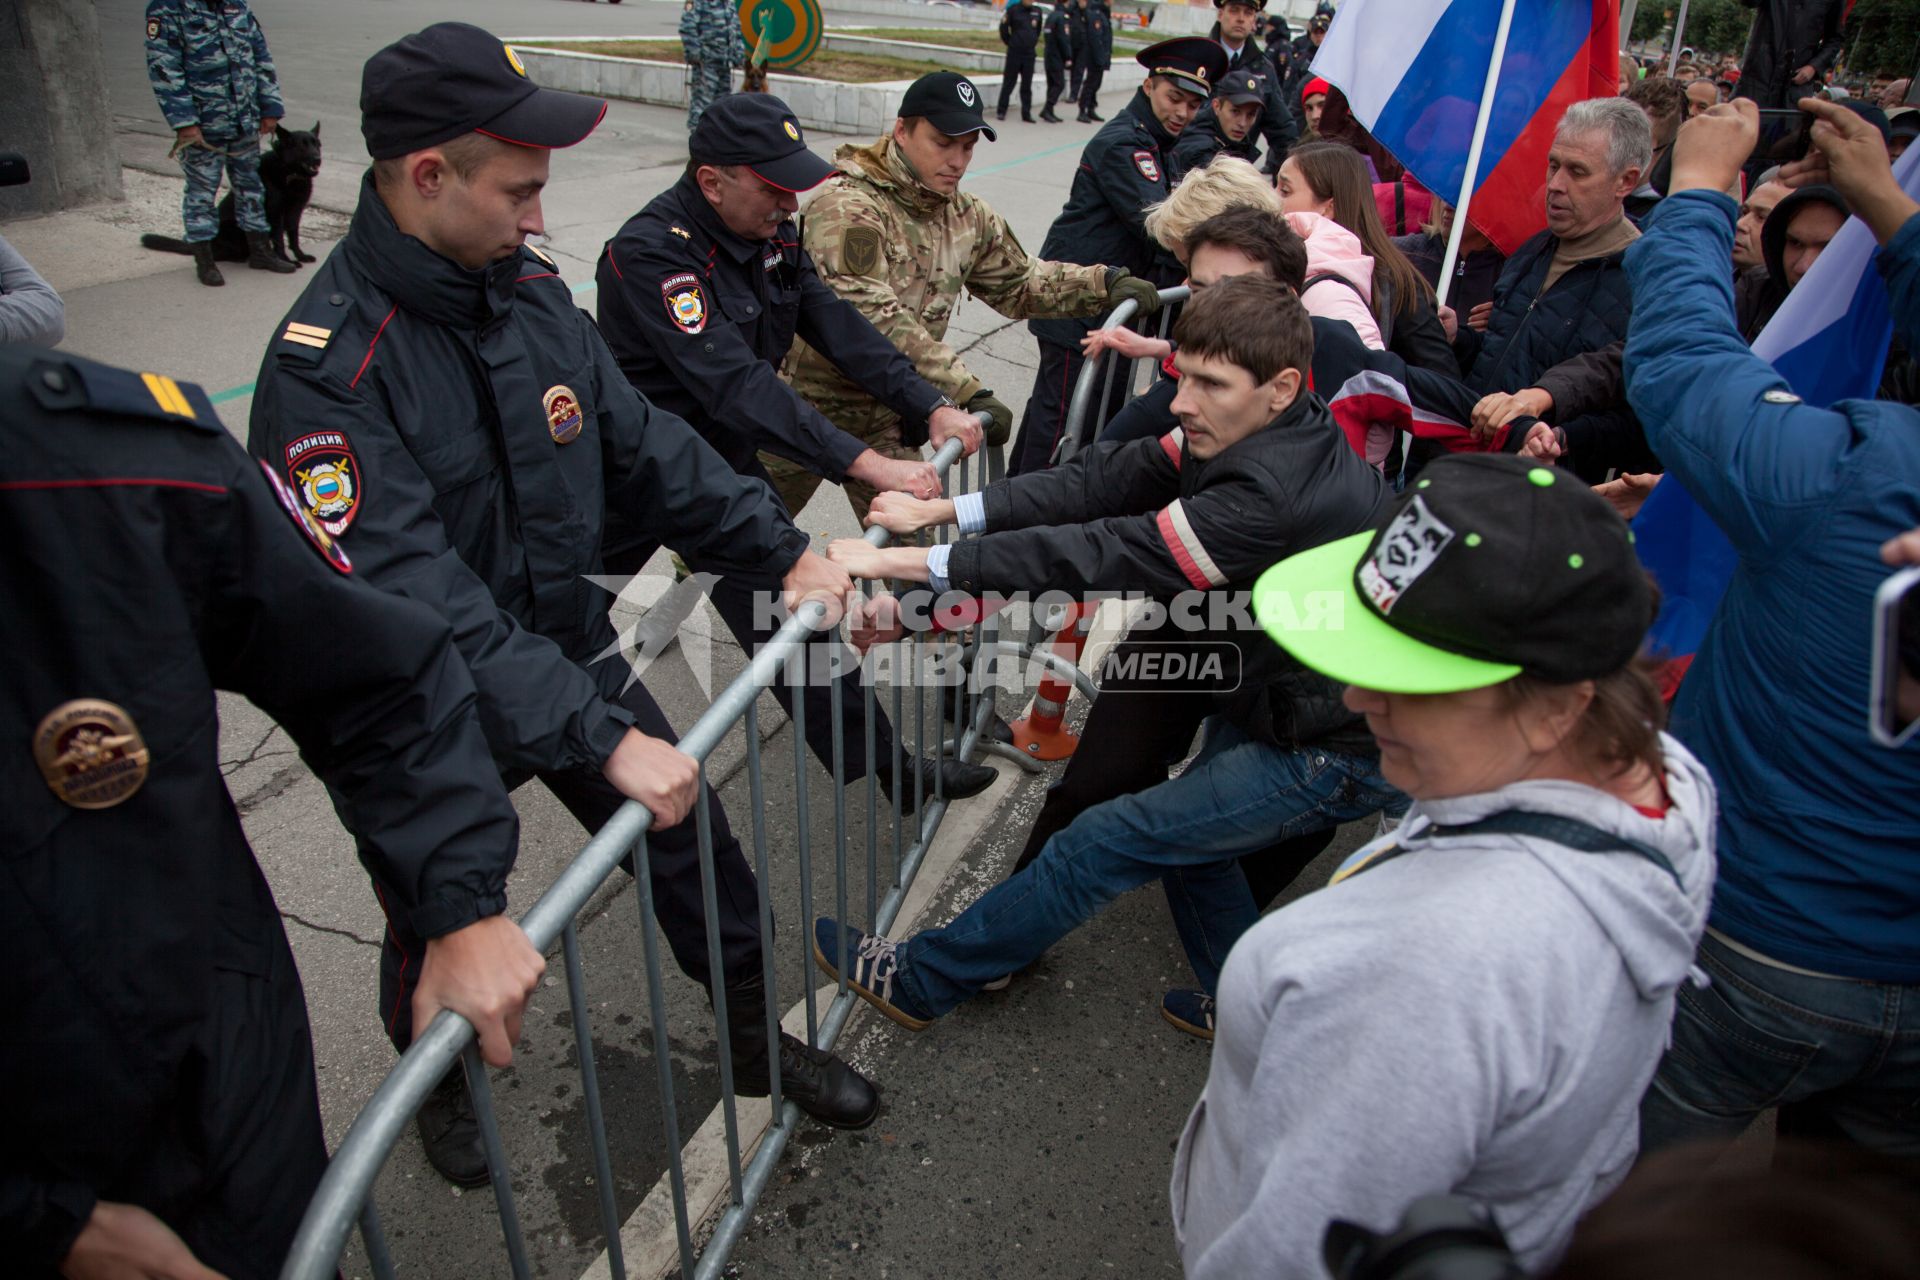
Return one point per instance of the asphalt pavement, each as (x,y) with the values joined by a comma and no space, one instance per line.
(1028,1134)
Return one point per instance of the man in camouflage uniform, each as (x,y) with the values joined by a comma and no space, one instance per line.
(710,37)
(219,92)
(895,237)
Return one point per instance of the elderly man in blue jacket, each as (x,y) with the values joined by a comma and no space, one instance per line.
(1812,947)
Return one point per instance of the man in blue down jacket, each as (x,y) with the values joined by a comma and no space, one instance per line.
(1812,949)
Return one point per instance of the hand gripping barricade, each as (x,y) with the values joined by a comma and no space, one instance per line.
(345,1195)
(1101,371)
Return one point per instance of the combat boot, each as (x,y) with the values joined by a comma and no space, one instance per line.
(450,1132)
(203,264)
(261,257)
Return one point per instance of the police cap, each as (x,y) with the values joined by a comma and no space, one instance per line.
(1238,87)
(758,130)
(1192,62)
(453,79)
(950,102)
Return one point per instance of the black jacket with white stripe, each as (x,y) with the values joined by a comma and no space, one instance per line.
(1147,516)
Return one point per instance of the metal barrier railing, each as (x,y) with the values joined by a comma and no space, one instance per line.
(1079,431)
(345,1194)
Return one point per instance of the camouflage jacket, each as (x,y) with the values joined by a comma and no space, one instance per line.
(209,65)
(710,32)
(901,254)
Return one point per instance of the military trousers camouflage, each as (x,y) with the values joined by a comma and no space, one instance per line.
(203,164)
(706,81)
(796,485)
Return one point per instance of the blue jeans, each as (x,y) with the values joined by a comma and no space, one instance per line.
(1237,796)
(1841,1057)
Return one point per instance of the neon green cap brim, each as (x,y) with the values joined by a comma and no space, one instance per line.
(1309,605)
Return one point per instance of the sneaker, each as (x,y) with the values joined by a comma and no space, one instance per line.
(1000,983)
(1189,1010)
(872,963)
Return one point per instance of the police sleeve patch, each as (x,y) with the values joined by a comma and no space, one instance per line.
(322,541)
(326,476)
(1148,166)
(686,306)
(860,250)
(153,27)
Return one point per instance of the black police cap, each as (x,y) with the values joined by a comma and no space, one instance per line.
(950,102)
(1239,87)
(759,131)
(1192,62)
(453,79)
(1251,4)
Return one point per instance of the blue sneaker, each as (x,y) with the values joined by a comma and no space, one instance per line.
(872,964)
(1189,1010)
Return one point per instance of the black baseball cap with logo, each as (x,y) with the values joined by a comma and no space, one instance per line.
(759,131)
(1192,62)
(1239,87)
(454,79)
(950,102)
(1490,567)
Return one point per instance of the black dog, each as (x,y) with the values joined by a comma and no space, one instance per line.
(286,171)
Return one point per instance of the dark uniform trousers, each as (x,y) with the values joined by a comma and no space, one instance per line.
(1018,66)
(1044,421)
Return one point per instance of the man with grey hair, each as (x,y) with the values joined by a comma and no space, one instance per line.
(1564,293)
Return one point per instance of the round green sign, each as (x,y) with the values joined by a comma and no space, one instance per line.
(789,31)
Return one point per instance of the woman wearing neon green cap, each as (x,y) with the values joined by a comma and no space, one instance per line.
(1477,1001)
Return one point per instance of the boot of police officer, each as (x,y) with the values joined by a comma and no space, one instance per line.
(439,399)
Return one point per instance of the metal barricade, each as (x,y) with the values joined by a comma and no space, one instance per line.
(1081,428)
(345,1195)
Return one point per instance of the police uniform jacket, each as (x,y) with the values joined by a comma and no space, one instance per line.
(1099,26)
(700,319)
(1121,172)
(150,562)
(209,66)
(486,433)
(1020,29)
(1145,515)
(1060,42)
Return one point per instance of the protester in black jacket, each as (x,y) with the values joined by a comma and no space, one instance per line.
(1793,45)
(1020,32)
(1225,126)
(157,1045)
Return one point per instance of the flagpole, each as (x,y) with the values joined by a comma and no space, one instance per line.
(1473,152)
(1679,34)
(1628,8)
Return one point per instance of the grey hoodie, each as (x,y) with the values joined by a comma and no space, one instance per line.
(1479,1015)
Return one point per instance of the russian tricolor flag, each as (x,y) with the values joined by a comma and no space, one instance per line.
(1829,341)
(1414,72)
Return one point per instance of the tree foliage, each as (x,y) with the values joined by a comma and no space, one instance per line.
(1717,25)
(1883,35)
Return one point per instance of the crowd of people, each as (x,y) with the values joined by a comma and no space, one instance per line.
(1614,902)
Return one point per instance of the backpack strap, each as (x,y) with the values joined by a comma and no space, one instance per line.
(1569,832)
(1321,276)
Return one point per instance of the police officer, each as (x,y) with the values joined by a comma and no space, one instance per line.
(1020,32)
(440,405)
(896,237)
(1239,21)
(1226,127)
(701,295)
(1077,45)
(1059,56)
(164,1113)
(711,41)
(220,94)
(1121,172)
(1097,54)
(1300,61)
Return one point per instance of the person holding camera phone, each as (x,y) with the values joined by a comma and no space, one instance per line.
(1814,1003)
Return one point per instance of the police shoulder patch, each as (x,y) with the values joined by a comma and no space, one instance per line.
(322,540)
(140,395)
(540,254)
(325,475)
(686,304)
(153,27)
(860,250)
(1147,164)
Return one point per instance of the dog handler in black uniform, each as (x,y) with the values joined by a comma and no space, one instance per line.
(157,1058)
(441,406)
(1122,171)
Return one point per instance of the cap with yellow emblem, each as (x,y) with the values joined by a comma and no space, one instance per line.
(759,131)
(1192,62)
(453,79)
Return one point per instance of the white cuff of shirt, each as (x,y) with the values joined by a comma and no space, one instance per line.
(970,512)
(937,565)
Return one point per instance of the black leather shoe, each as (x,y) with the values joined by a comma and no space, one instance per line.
(1027,116)
(450,1131)
(261,257)
(1049,117)
(957,778)
(1000,115)
(997,729)
(821,1085)
(1094,116)
(1083,118)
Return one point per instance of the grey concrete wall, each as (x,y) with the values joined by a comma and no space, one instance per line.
(53,106)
